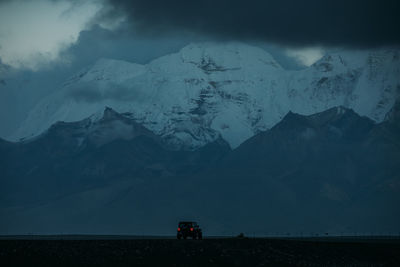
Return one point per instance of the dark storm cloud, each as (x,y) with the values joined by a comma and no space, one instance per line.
(291,22)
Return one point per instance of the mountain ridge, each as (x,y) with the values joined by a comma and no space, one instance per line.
(231,90)
(328,172)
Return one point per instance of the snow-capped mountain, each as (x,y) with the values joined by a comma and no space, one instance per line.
(228,90)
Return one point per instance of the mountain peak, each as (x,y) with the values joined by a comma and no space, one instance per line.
(97,130)
(110,114)
(226,55)
(333,114)
(324,116)
(338,121)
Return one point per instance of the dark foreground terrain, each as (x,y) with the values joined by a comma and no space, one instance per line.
(208,252)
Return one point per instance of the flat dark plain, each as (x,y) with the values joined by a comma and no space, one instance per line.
(119,251)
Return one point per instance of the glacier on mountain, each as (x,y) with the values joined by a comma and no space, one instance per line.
(229,90)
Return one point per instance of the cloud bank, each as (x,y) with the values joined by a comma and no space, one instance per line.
(33,33)
(356,23)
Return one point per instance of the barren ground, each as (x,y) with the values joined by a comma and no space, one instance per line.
(208,252)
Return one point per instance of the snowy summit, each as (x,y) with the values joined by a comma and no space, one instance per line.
(228,90)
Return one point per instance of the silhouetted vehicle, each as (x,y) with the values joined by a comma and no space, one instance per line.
(189,229)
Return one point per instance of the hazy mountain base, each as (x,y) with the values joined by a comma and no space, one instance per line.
(330,172)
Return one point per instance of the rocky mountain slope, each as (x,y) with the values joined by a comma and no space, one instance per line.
(334,168)
(229,90)
(92,152)
(333,171)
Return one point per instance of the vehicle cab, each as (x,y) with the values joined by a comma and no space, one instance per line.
(189,229)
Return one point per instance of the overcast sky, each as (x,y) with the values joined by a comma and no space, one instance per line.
(42,42)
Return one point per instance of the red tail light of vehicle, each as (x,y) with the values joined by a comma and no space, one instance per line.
(179,229)
(191,229)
